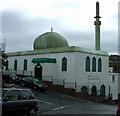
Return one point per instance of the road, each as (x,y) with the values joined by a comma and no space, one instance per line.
(51,102)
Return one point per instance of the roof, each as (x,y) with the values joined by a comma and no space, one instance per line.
(59,50)
(49,40)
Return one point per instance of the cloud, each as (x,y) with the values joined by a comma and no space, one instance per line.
(21,31)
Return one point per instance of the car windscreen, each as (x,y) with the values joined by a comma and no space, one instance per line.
(36,80)
(13,75)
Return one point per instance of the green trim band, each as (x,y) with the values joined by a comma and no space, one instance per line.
(44,60)
(59,50)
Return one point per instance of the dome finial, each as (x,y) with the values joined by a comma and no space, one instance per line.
(51,29)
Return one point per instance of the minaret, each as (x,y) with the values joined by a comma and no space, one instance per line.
(97,24)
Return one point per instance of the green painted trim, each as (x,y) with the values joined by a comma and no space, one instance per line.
(43,60)
(59,50)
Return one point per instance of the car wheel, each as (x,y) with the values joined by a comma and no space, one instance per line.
(32,112)
(34,87)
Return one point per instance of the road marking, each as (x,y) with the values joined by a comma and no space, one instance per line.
(62,107)
(45,102)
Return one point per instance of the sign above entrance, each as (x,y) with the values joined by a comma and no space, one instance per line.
(44,60)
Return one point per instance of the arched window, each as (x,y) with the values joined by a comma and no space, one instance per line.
(64,64)
(94,90)
(94,64)
(99,65)
(25,64)
(15,65)
(7,64)
(84,89)
(102,90)
(88,64)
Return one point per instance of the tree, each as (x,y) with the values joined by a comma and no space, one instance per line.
(4,56)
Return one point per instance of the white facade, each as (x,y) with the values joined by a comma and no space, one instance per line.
(76,73)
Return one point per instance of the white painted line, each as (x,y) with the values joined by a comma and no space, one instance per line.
(45,102)
(62,107)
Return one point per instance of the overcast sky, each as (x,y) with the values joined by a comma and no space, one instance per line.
(25,20)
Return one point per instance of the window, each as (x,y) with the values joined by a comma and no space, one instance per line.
(15,65)
(13,95)
(25,64)
(26,95)
(94,90)
(102,90)
(7,64)
(94,64)
(84,89)
(64,64)
(113,78)
(88,64)
(99,65)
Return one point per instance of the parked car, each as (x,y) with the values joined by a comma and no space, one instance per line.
(10,77)
(18,102)
(118,110)
(33,83)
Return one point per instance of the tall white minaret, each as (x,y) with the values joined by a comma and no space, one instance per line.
(97,24)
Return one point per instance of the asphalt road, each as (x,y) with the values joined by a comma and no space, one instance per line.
(51,102)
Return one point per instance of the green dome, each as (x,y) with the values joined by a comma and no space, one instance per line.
(50,40)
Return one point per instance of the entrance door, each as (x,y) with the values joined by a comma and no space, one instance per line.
(38,71)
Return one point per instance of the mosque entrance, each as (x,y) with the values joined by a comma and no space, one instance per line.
(38,71)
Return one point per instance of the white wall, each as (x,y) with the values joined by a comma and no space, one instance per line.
(76,71)
(90,79)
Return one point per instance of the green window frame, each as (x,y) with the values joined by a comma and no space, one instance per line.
(94,90)
(64,64)
(94,64)
(99,65)
(84,89)
(87,64)
(15,65)
(102,90)
(25,64)
(7,64)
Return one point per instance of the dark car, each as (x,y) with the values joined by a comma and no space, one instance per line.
(18,102)
(118,110)
(33,83)
(10,77)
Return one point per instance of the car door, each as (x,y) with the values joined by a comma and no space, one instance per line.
(27,100)
(11,102)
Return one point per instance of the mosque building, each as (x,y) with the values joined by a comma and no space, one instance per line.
(53,59)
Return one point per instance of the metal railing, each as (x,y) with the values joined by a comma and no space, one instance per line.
(20,72)
(74,85)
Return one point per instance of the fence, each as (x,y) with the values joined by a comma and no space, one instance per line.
(83,87)
(20,72)
(58,82)
(47,78)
